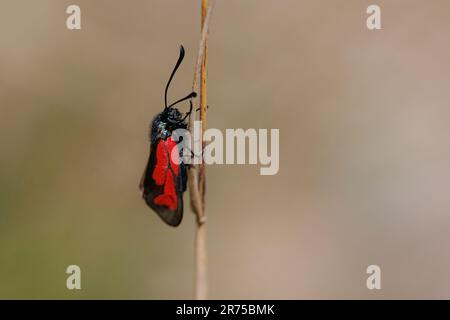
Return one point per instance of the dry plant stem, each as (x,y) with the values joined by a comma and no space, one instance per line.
(197,172)
(196,198)
(203,102)
(201,280)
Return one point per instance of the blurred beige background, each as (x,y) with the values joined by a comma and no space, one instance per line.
(364,174)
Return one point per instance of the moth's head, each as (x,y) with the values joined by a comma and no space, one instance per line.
(172,116)
(165,122)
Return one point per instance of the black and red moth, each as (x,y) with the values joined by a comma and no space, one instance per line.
(164,180)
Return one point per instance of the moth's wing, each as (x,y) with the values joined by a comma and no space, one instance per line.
(161,183)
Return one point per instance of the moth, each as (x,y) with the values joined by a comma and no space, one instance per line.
(165,177)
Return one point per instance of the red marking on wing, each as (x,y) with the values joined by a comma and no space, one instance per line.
(169,197)
(159,172)
(162,175)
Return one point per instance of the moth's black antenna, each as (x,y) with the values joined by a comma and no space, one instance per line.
(180,59)
(191,95)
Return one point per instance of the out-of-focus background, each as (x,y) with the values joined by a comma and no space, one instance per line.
(364,153)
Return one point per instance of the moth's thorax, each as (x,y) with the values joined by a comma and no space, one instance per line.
(162,131)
